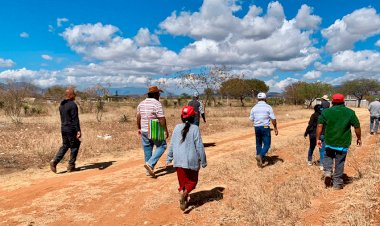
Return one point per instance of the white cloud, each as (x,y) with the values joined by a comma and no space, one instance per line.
(144,38)
(279,86)
(304,19)
(312,75)
(51,28)
(377,43)
(6,63)
(46,57)
(24,35)
(18,74)
(350,61)
(60,21)
(359,25)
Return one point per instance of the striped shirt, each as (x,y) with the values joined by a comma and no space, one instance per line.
(149,108)
(261,114)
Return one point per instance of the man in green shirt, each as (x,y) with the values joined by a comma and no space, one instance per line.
(337,122)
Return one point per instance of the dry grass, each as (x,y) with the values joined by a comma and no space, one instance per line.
(279,194)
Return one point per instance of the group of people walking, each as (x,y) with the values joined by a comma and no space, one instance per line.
(329,128)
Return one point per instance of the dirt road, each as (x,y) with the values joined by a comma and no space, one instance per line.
(117,191)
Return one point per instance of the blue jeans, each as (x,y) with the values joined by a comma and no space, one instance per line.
(313,143)
(374,120)
(152,158)
(263,140)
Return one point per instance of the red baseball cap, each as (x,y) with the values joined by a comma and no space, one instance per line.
(187,112)
(338,98)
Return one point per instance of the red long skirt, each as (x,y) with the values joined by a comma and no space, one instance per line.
(187,179)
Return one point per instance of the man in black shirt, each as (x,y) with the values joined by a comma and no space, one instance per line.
(198,108)
(70,130)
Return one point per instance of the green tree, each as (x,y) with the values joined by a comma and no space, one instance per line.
(241,88)
(55,92)
(359,88)
(311,91)
(292,93)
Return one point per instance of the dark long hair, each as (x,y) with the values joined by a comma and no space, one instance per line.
(188,121)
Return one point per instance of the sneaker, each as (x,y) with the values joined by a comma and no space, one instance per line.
(70,168)
(337,187)
(150,170)
(321,168)
(372,132)
(53,166)
(259,161)
(309,163)
(328,181)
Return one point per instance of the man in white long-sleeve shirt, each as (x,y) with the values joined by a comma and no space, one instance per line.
(261,116)
(374,110)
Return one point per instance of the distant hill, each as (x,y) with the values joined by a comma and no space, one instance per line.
(126,91)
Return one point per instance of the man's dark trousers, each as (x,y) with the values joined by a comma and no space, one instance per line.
(71,141)
(340,158)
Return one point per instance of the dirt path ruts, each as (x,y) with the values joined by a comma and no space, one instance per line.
(118,195)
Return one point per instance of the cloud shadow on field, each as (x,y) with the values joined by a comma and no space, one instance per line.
(97,165)
(271,160)
(199,198)
(211,144)
(164,171)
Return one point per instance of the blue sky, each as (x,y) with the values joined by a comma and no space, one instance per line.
(132,43)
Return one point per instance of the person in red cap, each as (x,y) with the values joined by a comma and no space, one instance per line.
(337,122)
(149,109)
(187,151)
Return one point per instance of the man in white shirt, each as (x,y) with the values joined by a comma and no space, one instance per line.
(374,111)
(261,116)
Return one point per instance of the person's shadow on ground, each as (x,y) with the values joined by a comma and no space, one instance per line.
(199,198)
(164,171)
(271,160)
(211,144)
(97,165)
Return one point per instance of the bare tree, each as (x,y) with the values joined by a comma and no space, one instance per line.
(207,79)
(97,94)
(360,88)
(13,95)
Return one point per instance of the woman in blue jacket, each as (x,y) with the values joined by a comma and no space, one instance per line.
(187,151)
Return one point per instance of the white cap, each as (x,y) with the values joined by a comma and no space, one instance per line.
(325,97)
(195,94)
(261,96)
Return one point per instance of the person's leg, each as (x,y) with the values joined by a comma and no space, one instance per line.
(376,124)
(322,151)
(74,146)
(371,120)
(313,143)
(327,165)
(339,169)
(160,149)
(266,141)
(63,149)
(259,140)
(147,146)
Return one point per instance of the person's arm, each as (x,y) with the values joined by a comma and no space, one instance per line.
(356,124)
(138,118)
(274,122)
(75,118)
(200,148)
(201,110)
(310,125)
(358,133)
(319,132)
(163,124)
(169,156)
(252,115)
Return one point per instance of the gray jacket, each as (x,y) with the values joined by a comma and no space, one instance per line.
(374,108)
(191,153)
